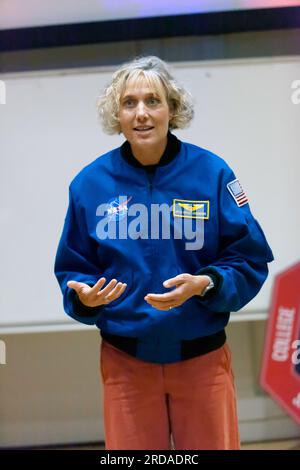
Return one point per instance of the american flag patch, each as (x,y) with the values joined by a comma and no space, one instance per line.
(237,192)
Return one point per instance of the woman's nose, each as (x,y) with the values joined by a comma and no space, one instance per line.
(141,110)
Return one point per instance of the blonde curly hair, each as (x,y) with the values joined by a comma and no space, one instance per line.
(157,75)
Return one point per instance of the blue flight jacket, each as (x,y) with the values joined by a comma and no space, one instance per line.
(199,188)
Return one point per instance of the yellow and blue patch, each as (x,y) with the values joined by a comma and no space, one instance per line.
(191,209)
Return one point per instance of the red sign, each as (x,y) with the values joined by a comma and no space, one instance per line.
(280,375)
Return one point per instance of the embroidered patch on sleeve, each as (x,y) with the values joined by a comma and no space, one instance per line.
(237,192)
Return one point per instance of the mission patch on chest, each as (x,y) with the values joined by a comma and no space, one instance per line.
(190,209)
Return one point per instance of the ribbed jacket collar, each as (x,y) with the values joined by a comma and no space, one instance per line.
(172,149)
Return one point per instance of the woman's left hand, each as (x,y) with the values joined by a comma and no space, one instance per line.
(186,284)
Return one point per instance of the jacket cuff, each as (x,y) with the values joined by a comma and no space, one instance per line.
(217,280)
(83,310)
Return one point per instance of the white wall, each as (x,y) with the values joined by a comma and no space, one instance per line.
(49,131)
(50,389)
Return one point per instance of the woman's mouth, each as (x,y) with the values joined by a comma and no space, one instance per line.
(143,129)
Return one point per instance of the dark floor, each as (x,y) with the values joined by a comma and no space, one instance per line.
(289,444)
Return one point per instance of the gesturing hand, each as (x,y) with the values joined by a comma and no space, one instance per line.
(94,296)
(186,284)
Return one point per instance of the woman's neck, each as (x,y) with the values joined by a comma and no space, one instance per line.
(149,155)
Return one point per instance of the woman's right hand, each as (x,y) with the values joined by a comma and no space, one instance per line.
(94,296)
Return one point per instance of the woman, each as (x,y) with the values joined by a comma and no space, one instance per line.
(126,263)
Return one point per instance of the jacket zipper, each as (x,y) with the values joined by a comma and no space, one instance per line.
(150,183)
(150,187)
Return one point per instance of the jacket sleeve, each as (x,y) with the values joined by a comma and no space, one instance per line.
(76,259)
(241,266)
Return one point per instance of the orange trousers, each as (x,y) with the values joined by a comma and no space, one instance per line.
(187,405)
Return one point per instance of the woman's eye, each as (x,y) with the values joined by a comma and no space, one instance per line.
(128,103)
(153,101)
